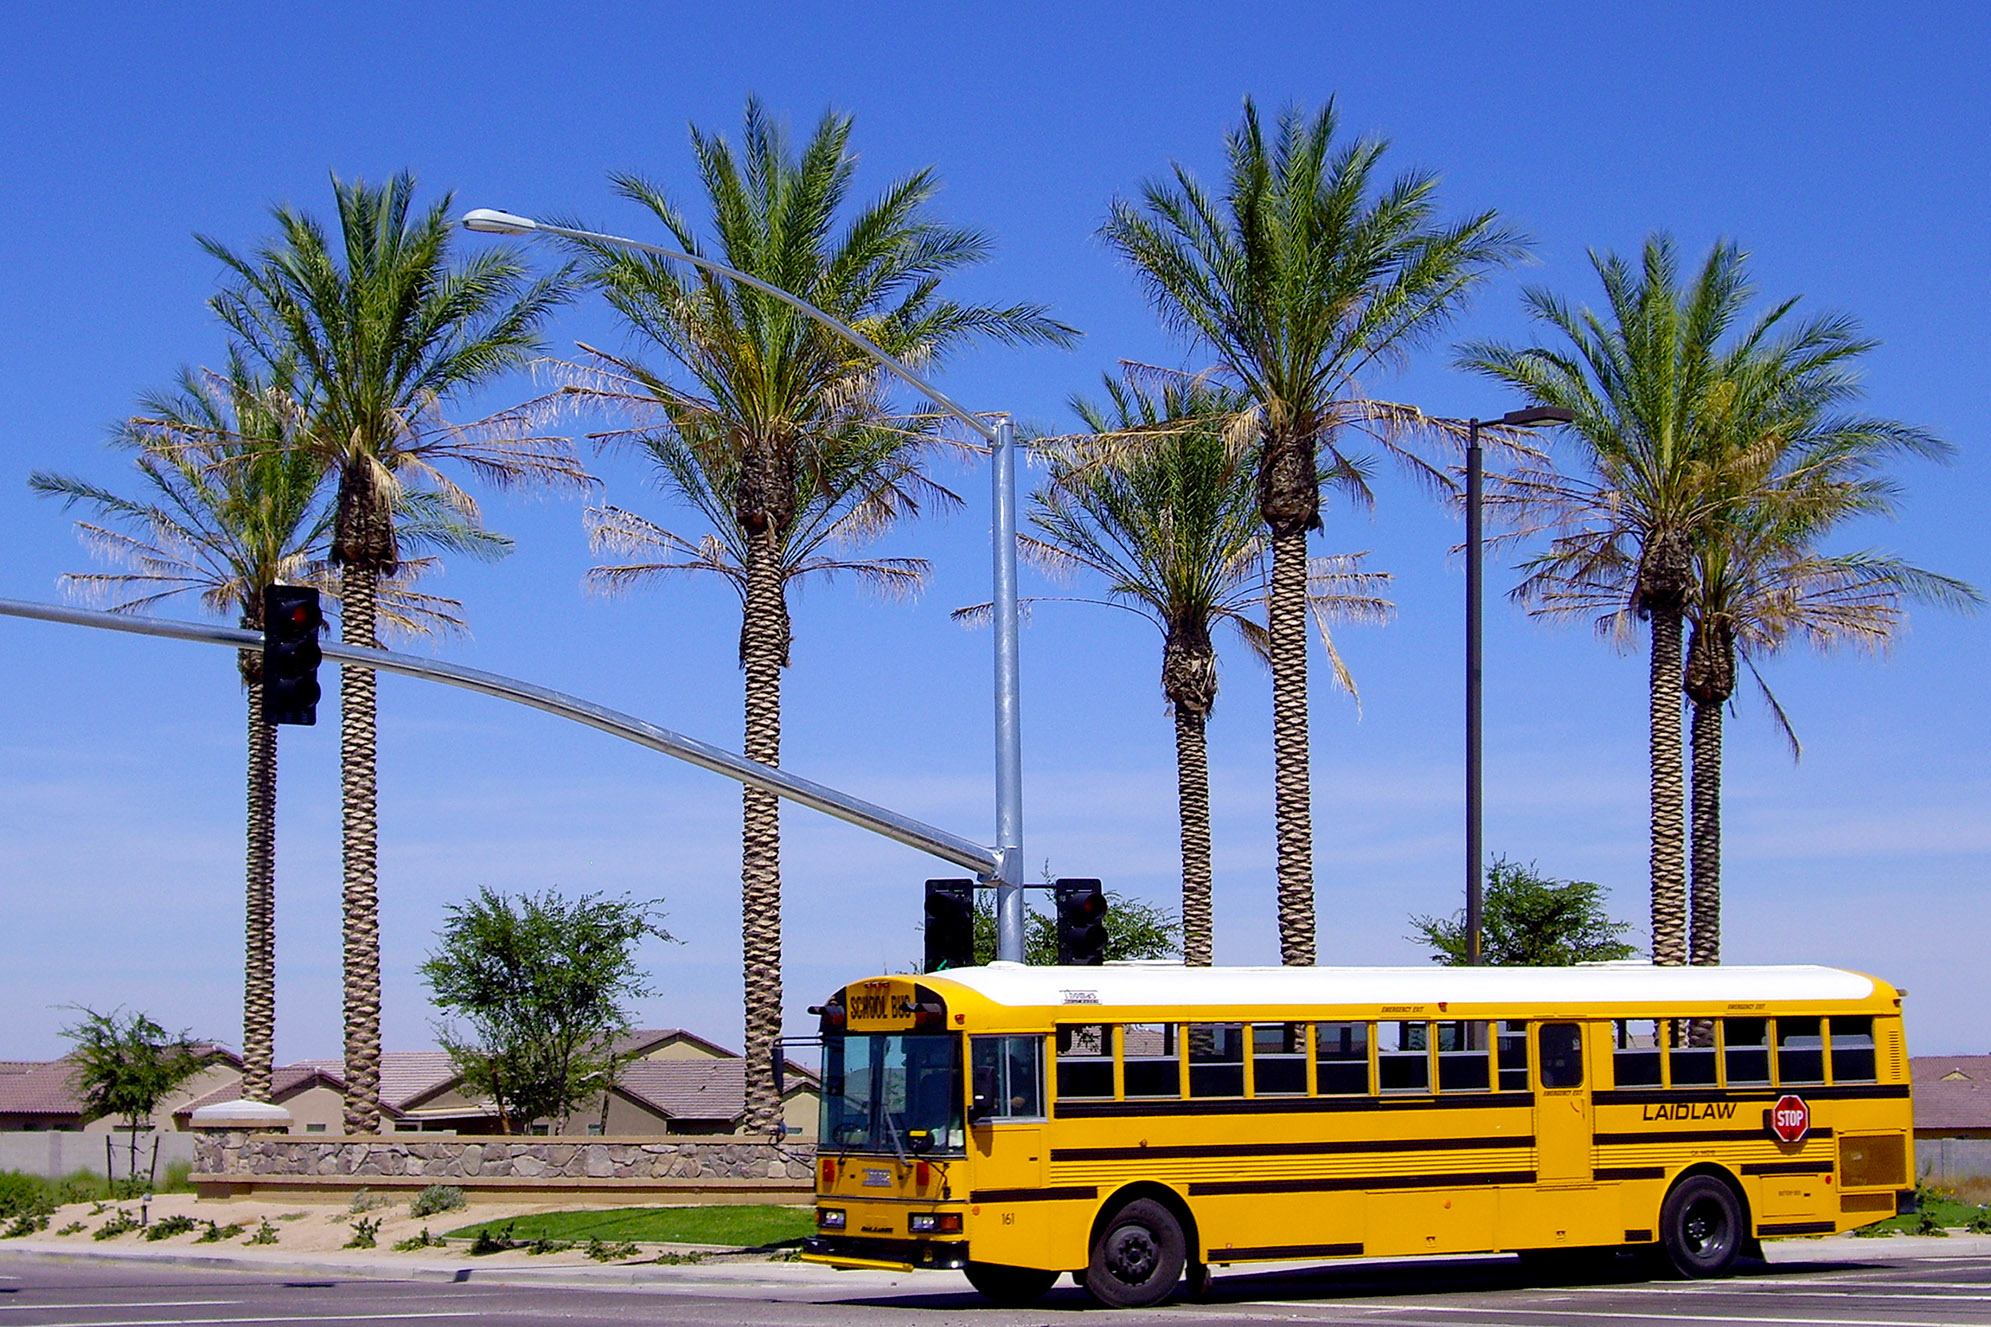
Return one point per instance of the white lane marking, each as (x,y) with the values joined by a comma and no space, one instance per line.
(1838,1291)
(1672,1315)
(153,1304)
(287,1318)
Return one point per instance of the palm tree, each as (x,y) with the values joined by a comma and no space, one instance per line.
(1803,468)
(1174,529)
(1646,383)
(1304,275)
(780,435)
(231,505)
(385,332)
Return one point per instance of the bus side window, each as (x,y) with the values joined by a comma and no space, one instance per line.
(1216,1059)
(1279,1060)
(1852,1050)
(1085,1061)
(1692,1057)
(1746,1044)
(1008,1077)
(1635,1061)
(1403,1057)
(1800,1050)
(1561,1046)
(1149,1060)
(1513,1056)
(1462,1058)
(1341,1059)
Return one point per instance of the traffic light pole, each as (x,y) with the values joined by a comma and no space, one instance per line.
(866,815)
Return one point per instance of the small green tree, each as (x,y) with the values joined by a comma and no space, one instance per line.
(1135,929)
(544,984)
(1531,921)
(124,1065)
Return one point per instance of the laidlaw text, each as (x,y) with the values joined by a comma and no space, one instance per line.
(1682,1111)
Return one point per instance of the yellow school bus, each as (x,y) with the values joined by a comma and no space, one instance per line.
(1139,1124)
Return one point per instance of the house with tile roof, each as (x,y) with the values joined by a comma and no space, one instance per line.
(1952,1116)
(38,1096)
(677,1084)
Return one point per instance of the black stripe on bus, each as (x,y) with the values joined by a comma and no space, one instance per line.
(1069,1191)
(1086,1109)
(1670,1135)
(1798,1228)
(1276,1251)
(1638,1237)
(1272,1150)
(1630,1173)
(1820,1167)
(1654,1096)
(1344,1183)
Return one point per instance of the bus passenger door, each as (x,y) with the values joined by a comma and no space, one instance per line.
(1006,1156)
(1563,1126)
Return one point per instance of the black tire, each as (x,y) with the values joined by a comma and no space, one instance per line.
(1138,1258)
(1701,1228)
(1012,1287)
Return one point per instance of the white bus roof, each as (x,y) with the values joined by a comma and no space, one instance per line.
(1581,987)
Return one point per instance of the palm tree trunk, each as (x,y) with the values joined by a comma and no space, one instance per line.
(763,654)
(360,844)
(1669,884)
(1291,793)
(1704,948)
(259,1011)
(1192,790)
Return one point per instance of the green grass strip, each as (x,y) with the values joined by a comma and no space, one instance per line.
(738,1226)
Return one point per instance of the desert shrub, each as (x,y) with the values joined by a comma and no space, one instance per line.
(178,1178)
(438,1198)
(490,1241)
(216,1234)
(22,1194)
(168,1226)
(366,1232)
(365,1200)
(602,1252)
(422,1241)
(265,1233)
(27,1223)
(121,1223)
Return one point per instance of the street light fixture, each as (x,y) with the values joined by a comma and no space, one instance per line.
(1527,417)
(1001,437)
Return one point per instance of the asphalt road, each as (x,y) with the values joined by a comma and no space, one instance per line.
(1955,1292)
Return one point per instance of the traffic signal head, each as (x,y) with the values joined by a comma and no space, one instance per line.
(1081,922)
(950,925)
(291,619)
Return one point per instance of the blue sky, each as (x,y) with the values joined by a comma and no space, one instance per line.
(1841,145)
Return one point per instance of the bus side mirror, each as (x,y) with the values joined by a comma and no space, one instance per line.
(981,1110)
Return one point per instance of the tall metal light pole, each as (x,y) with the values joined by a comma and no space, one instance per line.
(1001,437)
(1475,591)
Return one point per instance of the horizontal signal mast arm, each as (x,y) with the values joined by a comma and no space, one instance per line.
(820,797)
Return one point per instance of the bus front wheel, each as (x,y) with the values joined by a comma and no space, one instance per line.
(1010,1286)
(1138,1258)
(1700,1227)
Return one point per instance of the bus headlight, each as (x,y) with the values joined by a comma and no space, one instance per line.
(934,1223)
(829,1218)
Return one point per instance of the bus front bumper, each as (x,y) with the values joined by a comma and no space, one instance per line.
(902,1255)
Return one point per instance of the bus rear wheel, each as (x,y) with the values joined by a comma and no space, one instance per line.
(1138,1258)
(1012,1287)
(1700,1227)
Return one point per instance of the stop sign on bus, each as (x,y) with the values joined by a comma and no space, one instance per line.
(1790,1119)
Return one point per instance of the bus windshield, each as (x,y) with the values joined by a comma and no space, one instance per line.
(892,1093)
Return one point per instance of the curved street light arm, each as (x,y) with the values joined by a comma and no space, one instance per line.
(866,815)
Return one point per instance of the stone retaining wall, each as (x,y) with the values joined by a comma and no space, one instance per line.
(233,1164)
